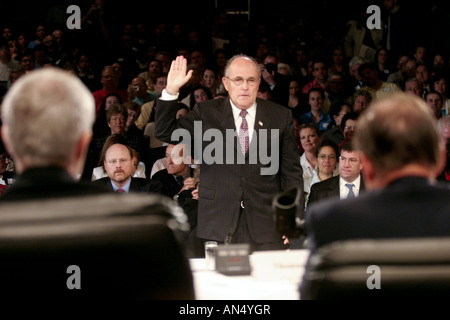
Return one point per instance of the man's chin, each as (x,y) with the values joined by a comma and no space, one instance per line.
(120,178)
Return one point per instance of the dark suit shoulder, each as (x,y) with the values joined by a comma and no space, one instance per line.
(101,182)
(329,183)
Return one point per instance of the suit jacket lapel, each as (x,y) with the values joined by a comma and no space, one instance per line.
(134,186)
(225,115)
(262,121)
(333,187)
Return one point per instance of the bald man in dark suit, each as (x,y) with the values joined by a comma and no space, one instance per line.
(237,188)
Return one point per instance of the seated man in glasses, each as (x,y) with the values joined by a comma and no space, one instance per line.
(119,166)
(347,184)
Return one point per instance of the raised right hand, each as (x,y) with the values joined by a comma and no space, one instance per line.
(177,76)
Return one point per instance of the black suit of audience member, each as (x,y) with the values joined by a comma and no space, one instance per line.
(170,185)
(328,189)
(136,185)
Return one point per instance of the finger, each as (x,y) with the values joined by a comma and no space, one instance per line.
(189,74)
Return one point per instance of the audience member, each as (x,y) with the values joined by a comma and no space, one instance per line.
(373,84)
(40,34)
(310,139)
(199,94)
(317,116)
(439,84)
(397,36)
(423,74)
(277,82)
(176,172)
(336,133)
(414,86)
(320,74)
(27,61)
(120,167)
(444,131)
(434,100)
(101,127)
(356,82)
(407,70)
(327,157)
(6,64)
(100,172)
(7,176)
(86,73)
(211,81)
(382,62)
(347,184)
(361,100)
(295,102)
(359,39)
(110,84)
(137,91)
(116,117)
(348,126)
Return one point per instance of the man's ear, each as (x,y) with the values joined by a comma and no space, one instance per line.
(80,154)
(225,83)
(368,172)
(3,137)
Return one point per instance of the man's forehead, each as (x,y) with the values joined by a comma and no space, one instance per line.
(350,154)
(117,149)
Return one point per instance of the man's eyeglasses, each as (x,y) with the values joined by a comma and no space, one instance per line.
(240,81)
(113,162)
(351,160)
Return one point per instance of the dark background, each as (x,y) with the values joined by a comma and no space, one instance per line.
(430,20)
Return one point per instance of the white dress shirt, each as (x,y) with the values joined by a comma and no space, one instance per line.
(343,190)
(250,117)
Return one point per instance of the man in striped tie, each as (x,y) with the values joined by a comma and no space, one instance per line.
(348,184)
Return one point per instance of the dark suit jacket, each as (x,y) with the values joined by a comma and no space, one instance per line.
(44,183)
(223,185)
(408,207)
(136,185)
(170,186)
(327,189)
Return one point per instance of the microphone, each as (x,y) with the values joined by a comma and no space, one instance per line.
(285,206)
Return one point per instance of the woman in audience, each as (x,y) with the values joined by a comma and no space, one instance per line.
(382,62)
(310,139)
(211,81)
(199,94)
(327,159)
(101,125)
(295,103)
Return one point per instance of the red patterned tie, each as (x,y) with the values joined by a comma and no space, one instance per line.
(120,190)
(243,133)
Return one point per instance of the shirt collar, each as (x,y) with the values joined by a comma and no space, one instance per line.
(356,182)
(236,111)
(125,188)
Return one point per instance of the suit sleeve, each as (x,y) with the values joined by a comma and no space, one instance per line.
(313,195)
(291,170)
(166,122)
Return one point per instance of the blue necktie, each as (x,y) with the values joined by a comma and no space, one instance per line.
(350,190)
